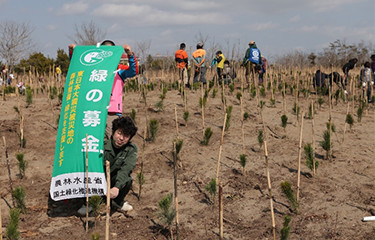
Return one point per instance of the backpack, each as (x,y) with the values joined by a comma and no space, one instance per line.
(254,55)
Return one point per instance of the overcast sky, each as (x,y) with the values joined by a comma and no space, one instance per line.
(277,26)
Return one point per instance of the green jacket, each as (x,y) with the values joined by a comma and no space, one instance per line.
(247,55)
(122,164)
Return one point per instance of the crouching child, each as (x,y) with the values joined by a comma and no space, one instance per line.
(122,155)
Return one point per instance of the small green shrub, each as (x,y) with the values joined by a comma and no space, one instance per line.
(206,137)
(211,189)
(12,231)
(349,120)
(286,188)
(19,198)
(154,127)
(284,232)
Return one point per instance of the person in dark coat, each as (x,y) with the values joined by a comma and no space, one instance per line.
(347,67)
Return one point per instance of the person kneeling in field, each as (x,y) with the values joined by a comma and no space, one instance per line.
(122,155)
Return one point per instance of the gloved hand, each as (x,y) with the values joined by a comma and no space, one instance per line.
(346,92)
(364,84)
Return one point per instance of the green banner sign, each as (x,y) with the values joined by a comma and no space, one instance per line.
(83,116)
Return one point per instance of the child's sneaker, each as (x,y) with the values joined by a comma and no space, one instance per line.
(82,210)
(127,207)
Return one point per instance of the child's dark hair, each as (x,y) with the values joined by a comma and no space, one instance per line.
(218,52)
(126,125)
(182,45)
(367,64)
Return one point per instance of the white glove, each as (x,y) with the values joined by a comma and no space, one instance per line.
(364,84)
(346,92)
(372,83)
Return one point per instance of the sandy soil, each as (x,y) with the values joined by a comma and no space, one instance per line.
(332,203)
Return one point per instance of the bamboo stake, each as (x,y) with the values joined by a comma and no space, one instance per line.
(242,127)
(221,227)
(21,131)
(299,158)
(142,160)
(87,186)
(270,191)
(9,173)
(108,207)
(284,97)
(313,135)
(203,128)
(220,149)
(1,225)
(347,112)
(175,187)
(175,116)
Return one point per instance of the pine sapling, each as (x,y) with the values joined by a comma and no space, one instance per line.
(261,104)
(206,137)
(239,96)
(29,95)
(360,110)
(176,151)
(12,231)
(231,88)
(19,198)
(133,114)
(229,116)
(16,109)
(166,213)
(214,92)
(309,155)
(284,232)
(320,101)
(141,181)
(96,202)
(286,188)
(246,115)
(243,162)
(95,236)
(22,164)
(273,102)
(154,127)
(186,117)
(260,138)
(349,120)
(211,189)
(284,121)
(326,144)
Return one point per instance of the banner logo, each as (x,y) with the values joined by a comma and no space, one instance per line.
(94,56)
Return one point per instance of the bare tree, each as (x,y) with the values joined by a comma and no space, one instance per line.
(144,49)
(87,34)
(15,41)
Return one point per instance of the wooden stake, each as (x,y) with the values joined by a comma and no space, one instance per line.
(9,173)
(284,97)
(21,132)
(347,111)
(270,191)
(1,225)
(220,149)
(313,135)
(221,227)
(203,128)
(242,127)
(299,158)
(175,187)
(175,116)
(108,207)
(87,186)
